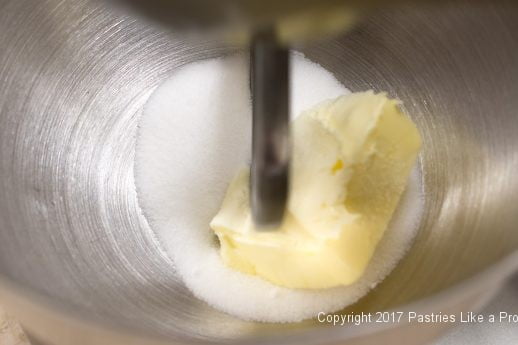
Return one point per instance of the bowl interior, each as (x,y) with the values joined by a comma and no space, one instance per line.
(74,77)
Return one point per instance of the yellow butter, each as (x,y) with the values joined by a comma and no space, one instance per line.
(351,160)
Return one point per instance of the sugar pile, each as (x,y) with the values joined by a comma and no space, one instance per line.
(194,135)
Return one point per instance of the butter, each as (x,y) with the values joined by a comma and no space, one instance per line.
(351,160)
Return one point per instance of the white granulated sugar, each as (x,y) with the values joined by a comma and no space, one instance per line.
(194,136)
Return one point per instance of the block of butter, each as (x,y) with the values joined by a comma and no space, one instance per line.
(351,160)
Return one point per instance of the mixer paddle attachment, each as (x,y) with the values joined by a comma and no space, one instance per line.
(269,83)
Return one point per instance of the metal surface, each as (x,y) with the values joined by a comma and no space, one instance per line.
(73,79)
(237,20)
(269,170)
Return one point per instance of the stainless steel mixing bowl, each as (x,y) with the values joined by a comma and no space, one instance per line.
(79,264)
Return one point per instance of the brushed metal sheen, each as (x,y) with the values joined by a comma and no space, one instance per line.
(76,254)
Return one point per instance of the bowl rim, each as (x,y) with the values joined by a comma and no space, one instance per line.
(492,277)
